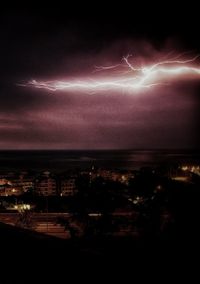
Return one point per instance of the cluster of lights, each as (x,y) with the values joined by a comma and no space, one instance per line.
(22,207)
(193,169)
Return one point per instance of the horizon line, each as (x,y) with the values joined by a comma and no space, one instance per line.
(103,149)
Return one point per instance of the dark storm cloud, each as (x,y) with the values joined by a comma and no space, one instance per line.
(102,122)
(59,45)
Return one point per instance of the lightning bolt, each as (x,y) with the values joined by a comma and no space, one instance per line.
(125,76)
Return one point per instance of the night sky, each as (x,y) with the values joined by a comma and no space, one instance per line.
(66,43)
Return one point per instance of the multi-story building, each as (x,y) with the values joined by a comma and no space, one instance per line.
(46,186)
(8,187)
(25,182)
(68,187)
(7,190)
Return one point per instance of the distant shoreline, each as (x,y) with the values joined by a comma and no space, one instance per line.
(61,160)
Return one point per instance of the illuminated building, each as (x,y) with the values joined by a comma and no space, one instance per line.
(68,187)
(46,186)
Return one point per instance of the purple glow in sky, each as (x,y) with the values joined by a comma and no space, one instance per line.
(69,83)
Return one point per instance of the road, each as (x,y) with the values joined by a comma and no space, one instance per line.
(44,223)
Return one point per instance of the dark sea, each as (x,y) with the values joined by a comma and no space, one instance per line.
(61,160)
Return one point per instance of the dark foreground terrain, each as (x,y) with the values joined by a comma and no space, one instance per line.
(28,257)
